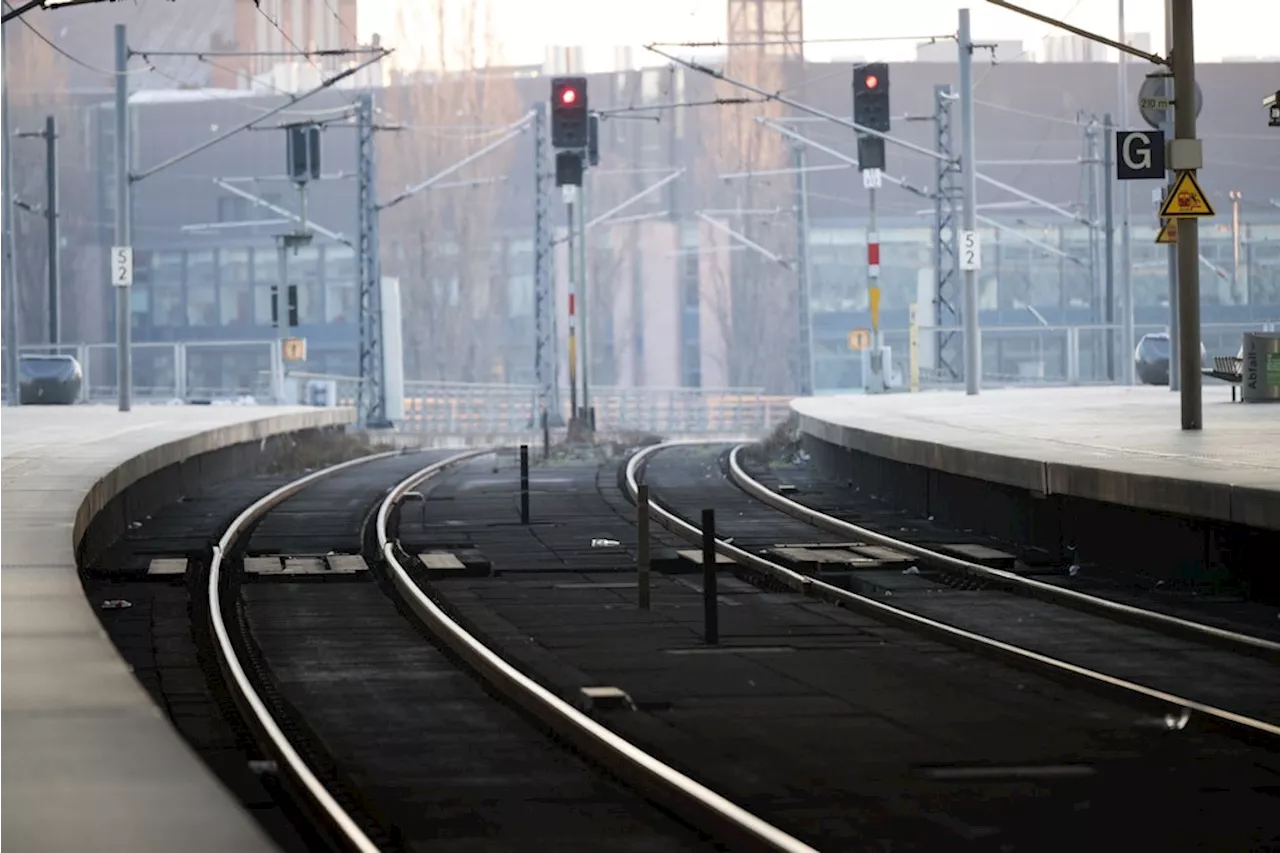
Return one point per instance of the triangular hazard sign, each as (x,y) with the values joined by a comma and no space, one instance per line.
(1168,232)
(1186,200)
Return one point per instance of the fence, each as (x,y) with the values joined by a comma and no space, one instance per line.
(462,408)
(171,368)
(1011,355)
(1044,355)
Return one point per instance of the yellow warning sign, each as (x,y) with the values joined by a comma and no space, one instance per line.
(859,339)
(1186,200)
(1168,232)
(294,349)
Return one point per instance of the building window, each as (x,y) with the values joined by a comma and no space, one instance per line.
(340,284)
(304,271)
(166,286)
(690,313)
(140,292)
(520,296)
(266,274)
(202,288)
(235,297)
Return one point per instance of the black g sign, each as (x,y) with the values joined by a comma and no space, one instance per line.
(1139,155)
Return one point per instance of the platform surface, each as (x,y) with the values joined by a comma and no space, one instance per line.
(1115,444)
(89,762)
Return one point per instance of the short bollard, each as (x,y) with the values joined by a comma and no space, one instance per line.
(642,544)
(524,484)
(709,611)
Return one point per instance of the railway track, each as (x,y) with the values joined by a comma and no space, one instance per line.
(1188,671)
(365,694)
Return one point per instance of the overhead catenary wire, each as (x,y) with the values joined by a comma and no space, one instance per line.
(238,100)
(65,54)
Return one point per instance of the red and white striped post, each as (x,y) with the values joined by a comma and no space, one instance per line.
(877,382)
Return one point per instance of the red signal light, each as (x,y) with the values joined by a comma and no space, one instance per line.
(568,96)
(872,81)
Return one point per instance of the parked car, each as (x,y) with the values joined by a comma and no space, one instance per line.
(49,380)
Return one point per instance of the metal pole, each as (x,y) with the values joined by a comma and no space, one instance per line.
(1095,254)
(1109,234)
(371,392)
(124,365)
(10,274)
(710,614)
(642,544)
(808,381)
(1235,247)
(573,324)
(1188,245)
(1127,344)
(282,317)
(877,383)
(1171,252)
(544,304)
(946,254)
(51,215)
(524,484)
(583,284)
(1171,264)
(972,352)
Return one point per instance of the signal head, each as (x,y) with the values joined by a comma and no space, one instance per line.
(569,93)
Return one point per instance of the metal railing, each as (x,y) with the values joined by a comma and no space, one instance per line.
(170,365)
(1045,355)
(496,410)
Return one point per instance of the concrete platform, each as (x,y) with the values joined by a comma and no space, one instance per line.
(1114,445)
(89,761)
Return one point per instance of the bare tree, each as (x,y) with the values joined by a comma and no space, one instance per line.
(605,265)
(37,88)
(441,243)
(761,293)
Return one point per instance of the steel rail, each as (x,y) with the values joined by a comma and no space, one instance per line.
(1010,581)
(1016,655)
(702,807)
(238,680)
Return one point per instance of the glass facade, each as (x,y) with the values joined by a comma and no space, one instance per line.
(223,296)
(231,288)
(1036,266)
(221,301)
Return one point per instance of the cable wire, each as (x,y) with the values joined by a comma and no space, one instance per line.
(68,56)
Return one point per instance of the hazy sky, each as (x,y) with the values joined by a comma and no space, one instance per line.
(525,27)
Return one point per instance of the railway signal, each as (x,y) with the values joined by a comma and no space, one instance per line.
(871,110)
(569,116)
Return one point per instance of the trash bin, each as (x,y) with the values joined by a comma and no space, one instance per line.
(1260,370)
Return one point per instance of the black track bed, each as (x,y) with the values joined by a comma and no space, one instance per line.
(1200,601)
(436,762)
(157,638)
(688,479)
(845,732)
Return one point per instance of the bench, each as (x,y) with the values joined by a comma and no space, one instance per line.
(1229,369)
